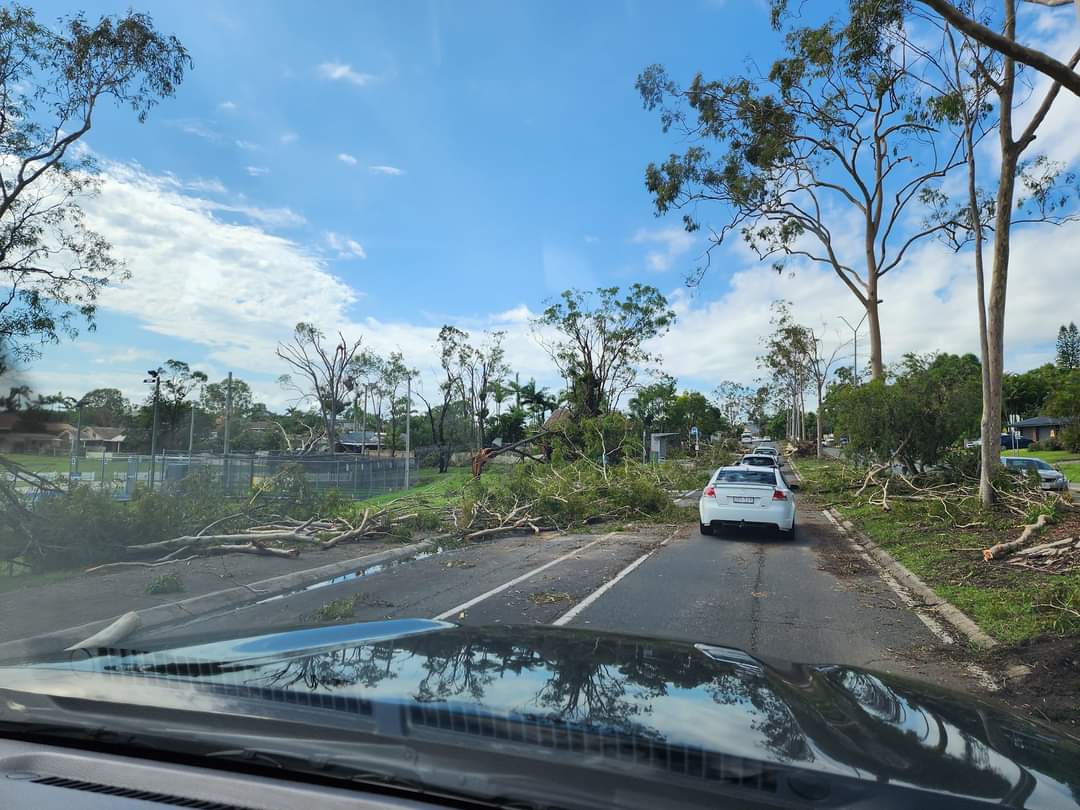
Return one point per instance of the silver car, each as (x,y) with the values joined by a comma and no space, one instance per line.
(1049,477)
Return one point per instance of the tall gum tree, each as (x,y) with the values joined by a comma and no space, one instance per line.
(837,130)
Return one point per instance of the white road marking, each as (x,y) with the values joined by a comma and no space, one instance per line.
(446,614)
(932,624)
(571,614)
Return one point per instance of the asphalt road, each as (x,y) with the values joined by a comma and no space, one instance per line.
(809,599)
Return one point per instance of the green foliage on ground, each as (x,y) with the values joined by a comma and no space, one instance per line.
(166,583)
(943,545)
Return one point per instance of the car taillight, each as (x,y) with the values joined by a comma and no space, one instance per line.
(710,491)
(779,495)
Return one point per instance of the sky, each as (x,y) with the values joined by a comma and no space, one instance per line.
(383,168)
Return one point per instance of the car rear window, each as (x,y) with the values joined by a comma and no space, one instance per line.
(767,477)
(758,461)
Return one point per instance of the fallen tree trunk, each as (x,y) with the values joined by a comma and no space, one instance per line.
(1005,549)
(253,548)
(191,540)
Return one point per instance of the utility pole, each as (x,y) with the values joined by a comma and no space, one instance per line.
(408,427)
(155,378)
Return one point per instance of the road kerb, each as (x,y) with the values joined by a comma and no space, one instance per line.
(47,643)
(959,620)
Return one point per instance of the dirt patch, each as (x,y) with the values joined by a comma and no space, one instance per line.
(1051,691)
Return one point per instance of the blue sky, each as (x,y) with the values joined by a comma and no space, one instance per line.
(388,167)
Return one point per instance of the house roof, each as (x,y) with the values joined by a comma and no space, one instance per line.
(1042,421)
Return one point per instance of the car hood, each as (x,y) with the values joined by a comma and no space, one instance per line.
(655,696)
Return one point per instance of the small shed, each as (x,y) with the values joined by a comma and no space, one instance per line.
(661,443)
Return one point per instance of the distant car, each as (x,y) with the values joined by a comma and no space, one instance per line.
(747,438)
(769,450)
(1049,477)
(747,496)
(758,460)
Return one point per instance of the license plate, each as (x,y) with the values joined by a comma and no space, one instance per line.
(738,499)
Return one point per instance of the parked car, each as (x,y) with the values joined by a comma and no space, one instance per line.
(1050,478)
(758,460)
(747,496)
(1007,441)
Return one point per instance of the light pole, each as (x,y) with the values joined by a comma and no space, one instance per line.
(855,342)
(154,376)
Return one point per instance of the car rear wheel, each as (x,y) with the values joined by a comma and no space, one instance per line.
(705,528)
(786,534)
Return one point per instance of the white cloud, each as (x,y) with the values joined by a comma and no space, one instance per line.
(234,289)
(289,137)
(209,184)
(256,171)
(929,305)
(227,106)
(338,71)
(128,355)
(345,247)
(346,158)
(193,126)
(674,243)
(391,170)
(247,145)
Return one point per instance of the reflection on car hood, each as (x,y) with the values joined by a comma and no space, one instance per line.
(701,698)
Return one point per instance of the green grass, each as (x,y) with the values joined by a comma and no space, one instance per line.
(61,464)
(1072,471)
(435,489)
(1051,456)
(1004,601)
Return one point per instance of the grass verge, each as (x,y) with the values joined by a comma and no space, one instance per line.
(1051,456)
(1010,603)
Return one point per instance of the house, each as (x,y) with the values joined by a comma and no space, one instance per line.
(1041,428)
(359,441)
(102,439)
(46,438)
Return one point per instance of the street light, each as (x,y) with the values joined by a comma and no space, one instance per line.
(154,376)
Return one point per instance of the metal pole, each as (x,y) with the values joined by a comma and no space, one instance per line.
(228,411)
(191,433)
(154,429)
(408,428)
(78,436)
(363,435)
(103,466)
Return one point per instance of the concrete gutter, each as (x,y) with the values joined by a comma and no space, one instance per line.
(49,643)
(959,620)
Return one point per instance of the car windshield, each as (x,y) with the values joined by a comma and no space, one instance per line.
(325,327)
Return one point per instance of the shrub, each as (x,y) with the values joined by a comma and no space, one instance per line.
(1045,444)
(166,583)
(1070,437)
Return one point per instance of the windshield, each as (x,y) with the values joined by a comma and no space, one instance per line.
(326,326)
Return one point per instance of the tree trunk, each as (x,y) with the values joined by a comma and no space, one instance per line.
(994,361)
(873,322)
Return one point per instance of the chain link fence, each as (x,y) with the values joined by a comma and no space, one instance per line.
(353,476)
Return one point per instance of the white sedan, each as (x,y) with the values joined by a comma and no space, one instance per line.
(747,496)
